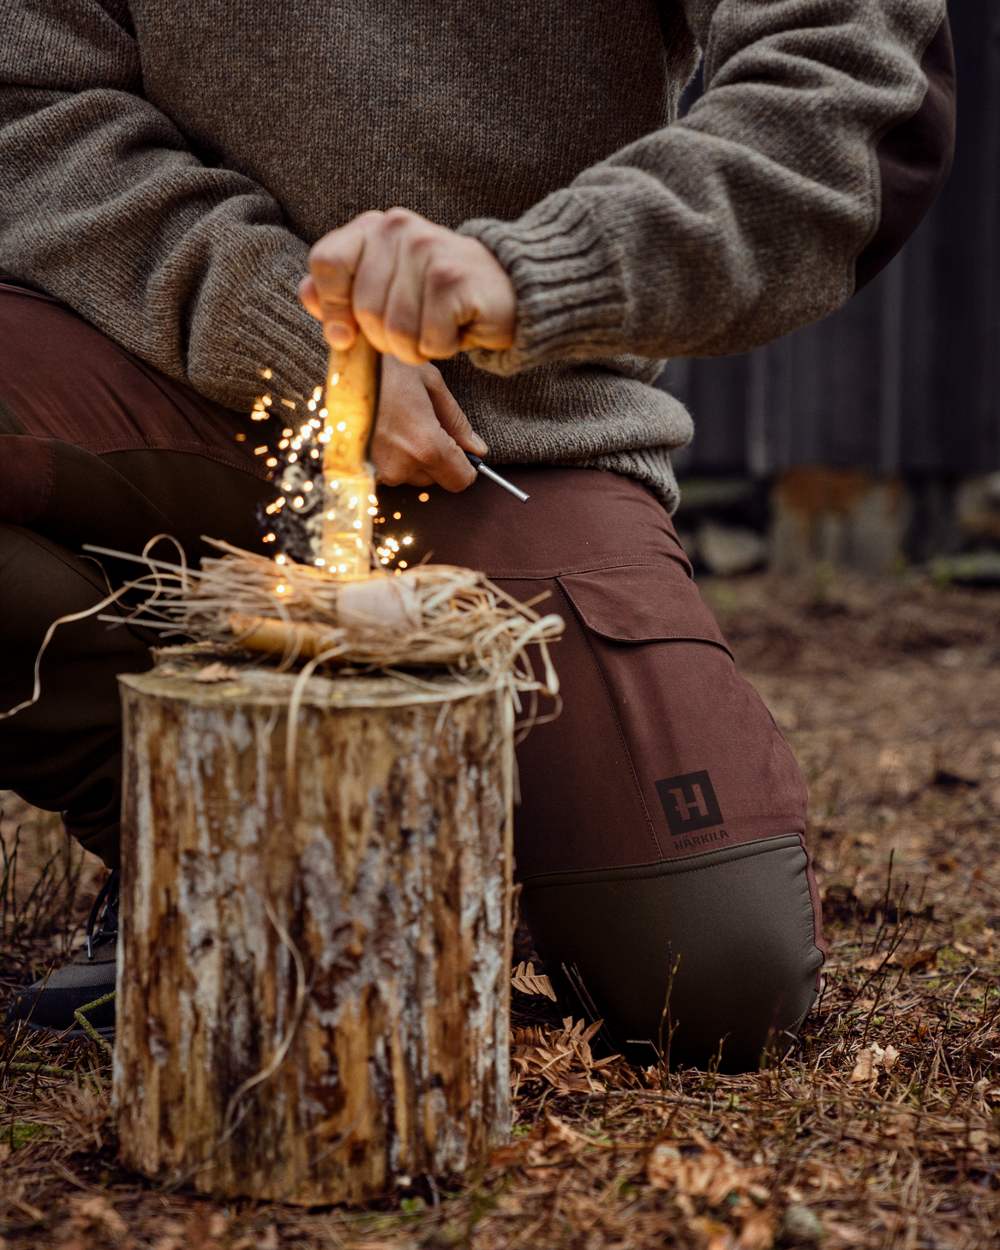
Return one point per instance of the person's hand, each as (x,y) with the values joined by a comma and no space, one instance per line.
(418,291)
(420,431)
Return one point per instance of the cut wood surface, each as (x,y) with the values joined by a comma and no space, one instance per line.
(313,994)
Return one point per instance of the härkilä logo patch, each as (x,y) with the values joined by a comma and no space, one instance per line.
(689,802)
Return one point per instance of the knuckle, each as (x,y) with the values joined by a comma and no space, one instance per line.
(368,314)
(399,326)
(443,274)
(391,468)
(429,454)
(325,261)
(396,218)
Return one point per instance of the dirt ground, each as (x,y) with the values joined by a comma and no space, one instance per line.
(880,1131)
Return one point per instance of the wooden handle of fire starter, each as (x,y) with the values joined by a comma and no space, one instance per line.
(351,400)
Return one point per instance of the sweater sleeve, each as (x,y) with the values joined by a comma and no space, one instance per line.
(103,205)
(824,133)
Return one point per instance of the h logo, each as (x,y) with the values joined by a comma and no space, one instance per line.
(689,802)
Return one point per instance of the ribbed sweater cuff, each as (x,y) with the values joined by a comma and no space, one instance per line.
(272,330)
(571,297)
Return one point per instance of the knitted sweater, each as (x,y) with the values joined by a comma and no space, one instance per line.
(165,167)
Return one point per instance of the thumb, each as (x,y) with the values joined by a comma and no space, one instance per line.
(450,416)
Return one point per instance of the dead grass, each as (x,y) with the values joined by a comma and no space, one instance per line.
(880,1131)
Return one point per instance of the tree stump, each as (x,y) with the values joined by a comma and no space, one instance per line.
(313,994)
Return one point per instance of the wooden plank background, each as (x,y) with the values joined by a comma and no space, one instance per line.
(906,378)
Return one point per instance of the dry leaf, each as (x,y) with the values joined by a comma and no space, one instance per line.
(871,1060)
(710,1173)
(924,958)
(97,1213)
(562,1058)
(757,1232)
(172,1239)
(526,980)
(662,1165)
(715,1236)
(864,1066)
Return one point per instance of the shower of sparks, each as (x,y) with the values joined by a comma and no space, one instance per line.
(293,522)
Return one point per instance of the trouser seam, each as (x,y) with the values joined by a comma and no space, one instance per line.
(588,876)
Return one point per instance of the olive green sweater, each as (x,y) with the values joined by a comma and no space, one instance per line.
(165,166)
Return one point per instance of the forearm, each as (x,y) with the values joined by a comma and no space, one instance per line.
(102,205)
(756,213)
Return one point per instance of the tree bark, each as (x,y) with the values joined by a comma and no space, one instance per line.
(313,989)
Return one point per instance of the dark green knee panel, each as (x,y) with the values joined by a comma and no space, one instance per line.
(712,956)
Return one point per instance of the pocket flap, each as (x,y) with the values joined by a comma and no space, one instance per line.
(642,603)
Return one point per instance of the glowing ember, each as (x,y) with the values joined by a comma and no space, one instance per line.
(326,513)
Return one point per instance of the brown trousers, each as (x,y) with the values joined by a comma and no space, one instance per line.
(659,836)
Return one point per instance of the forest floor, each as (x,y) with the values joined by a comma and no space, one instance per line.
(879,1131)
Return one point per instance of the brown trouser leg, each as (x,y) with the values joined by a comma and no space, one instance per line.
(659,835)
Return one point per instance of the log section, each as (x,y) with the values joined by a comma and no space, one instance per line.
(313,985)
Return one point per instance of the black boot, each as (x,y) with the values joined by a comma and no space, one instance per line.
(51,1003)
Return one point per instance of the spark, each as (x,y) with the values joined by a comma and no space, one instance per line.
(262,450)
(270,538)
(271,462)
(267,373)
(423,496)
(397,516)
